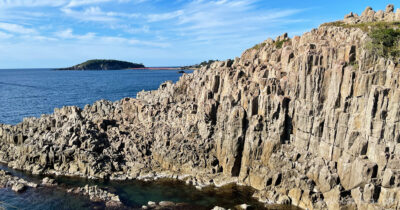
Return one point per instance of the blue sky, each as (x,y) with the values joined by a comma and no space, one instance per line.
(59,33)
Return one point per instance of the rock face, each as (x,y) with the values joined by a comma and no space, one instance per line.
(298,121)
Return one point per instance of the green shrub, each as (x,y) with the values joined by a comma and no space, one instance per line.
(367,27)
(385,36)
(385,42)
(259,46)
(279,44)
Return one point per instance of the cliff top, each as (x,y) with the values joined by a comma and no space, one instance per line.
(369,15)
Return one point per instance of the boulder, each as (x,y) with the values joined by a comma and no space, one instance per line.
(18,187)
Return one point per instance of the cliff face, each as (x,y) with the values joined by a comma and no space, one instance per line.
(312,121)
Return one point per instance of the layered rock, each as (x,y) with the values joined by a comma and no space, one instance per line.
(312,121)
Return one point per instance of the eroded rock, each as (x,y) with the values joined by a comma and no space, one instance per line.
(294,118)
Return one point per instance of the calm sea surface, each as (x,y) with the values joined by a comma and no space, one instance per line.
(32,92)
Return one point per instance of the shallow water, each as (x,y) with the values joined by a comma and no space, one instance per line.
(133,194)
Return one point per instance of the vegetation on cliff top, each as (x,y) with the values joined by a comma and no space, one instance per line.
(204,63)
(278,44)
(101,64)
(385,36)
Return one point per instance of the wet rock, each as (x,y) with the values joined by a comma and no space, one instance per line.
(243,207)
(218,208)
(49,182)
(98,194)
(18,187)
(15,183)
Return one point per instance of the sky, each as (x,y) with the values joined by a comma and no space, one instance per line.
(61,33)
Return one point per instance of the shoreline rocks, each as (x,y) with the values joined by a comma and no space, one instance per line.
(16,184)
(97,194)
(310,121)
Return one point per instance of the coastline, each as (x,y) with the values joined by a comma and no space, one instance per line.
(303,120)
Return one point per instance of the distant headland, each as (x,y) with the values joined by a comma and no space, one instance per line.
(102,64)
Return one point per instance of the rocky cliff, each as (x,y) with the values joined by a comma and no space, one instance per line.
(311,121)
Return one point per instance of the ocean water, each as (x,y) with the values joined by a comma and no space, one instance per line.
(32,92)
(133,194)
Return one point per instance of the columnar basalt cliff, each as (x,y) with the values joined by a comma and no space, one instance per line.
(311,121)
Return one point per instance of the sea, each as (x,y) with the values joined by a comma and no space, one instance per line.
(32,92)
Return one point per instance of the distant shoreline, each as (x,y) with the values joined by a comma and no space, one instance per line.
(162,68)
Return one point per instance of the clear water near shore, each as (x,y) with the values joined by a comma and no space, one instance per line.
(133,194)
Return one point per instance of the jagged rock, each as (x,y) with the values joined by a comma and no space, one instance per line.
(311,119)
(389,8)
(16,184)
(49,182)
(19,187)
(243,207)
(97,194)
(166,203)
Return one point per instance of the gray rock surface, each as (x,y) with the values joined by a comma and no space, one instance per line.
(300,123)
(98,194)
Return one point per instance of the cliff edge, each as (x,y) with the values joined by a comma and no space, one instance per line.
(311,121)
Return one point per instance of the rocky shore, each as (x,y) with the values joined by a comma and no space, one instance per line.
(95,193)
(98,194)
(310,121)
(16,184)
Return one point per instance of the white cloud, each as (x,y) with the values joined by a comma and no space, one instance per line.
(77,3)
(31,3)
(38,38)
(96,14)
(53,3)
(104,40)
(236,20)
(5,35)
(68,34)
(198,28)
(164,16)
(15,28)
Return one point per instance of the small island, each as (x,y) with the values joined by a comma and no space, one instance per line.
(102,64)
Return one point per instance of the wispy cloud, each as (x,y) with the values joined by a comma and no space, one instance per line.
(164,16)
(76,3)
(5,35)
(153,29)
(14,28)
(31,3)
(68,34)
(95,13)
